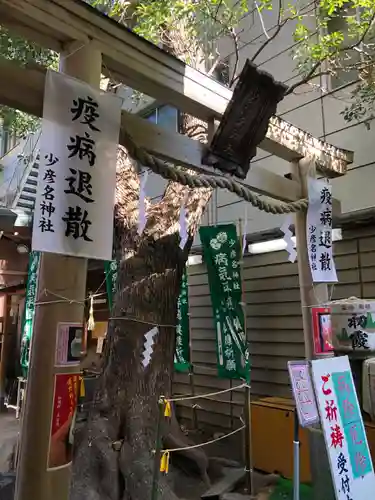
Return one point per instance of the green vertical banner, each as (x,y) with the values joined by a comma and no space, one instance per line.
(111,268)
(29,311)
(222,254)
(182,352)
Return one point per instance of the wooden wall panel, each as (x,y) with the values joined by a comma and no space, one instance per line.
(274,326)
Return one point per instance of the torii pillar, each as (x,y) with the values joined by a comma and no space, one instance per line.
(319,464)
(65,276)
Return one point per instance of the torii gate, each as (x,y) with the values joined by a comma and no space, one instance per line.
(97,44)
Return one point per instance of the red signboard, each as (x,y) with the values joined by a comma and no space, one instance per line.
(322,329)
(64,408)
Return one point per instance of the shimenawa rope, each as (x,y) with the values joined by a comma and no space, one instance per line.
(172,173)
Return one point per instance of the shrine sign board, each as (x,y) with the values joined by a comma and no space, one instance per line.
(65,400)
(319,232)
(344,431)
(77,172)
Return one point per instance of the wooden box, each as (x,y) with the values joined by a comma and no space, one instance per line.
(272,422)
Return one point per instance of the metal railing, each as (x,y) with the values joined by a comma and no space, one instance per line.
(16,166)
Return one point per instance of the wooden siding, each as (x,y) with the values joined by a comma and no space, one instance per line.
(274,326)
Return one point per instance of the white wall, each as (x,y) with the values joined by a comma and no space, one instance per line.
(311,109)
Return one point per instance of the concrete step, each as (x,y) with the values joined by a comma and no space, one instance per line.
(27,206)
(26,197)
(29,189)
(227,483)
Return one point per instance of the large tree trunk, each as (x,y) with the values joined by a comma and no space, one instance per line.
(125,408)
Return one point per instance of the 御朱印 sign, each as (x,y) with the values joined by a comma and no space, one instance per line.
(303,393)
(343,428)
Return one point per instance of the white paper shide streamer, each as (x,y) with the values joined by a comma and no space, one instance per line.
(319,232)
(149,346)
(183,224)
(142,203)
(244,231)
(285,228)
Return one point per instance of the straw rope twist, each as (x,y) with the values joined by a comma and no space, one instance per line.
(172,173)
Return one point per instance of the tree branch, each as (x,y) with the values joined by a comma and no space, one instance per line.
(262,20)
(217,10)
(274,35)
(237,56)
(311,75)
(280,24)
(231,32)
(304,80)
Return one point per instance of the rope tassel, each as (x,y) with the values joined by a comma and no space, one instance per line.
(164,462)
(82,391)
(168,409)
(91,321)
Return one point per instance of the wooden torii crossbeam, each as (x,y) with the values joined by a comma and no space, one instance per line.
(61,24)
(23,89)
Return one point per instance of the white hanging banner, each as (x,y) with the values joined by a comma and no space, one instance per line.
(77,171)
(343,428)
(319,232)
(142,203)
(288,238)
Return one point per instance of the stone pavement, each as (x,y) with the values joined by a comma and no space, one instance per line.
(9,428)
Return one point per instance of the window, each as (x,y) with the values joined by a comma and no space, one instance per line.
(165,116)
(339,23)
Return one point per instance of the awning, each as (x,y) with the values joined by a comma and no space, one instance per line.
(7,219)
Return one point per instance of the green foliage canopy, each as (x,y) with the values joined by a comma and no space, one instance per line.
(24,53)
(341,39)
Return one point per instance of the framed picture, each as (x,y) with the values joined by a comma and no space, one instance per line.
(69,344)
(322,329)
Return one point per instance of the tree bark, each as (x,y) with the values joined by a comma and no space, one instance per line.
(125,406)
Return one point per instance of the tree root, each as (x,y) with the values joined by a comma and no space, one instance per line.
(96,474)
(137,471)
(191,461)
(106,472)
(194,460)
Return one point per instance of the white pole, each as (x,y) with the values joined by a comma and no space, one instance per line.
(296,459)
